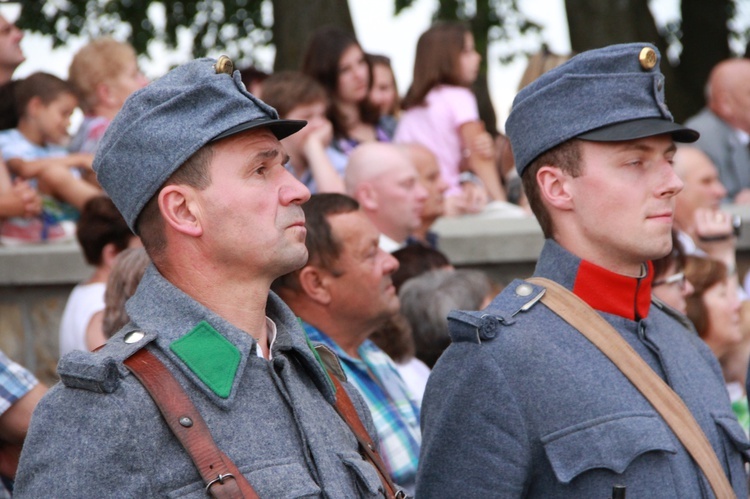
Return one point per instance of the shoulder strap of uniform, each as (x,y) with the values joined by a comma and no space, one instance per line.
(348,413)
(219,473)
(582,317)
(345,409)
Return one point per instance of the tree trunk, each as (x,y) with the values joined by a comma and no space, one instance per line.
(480,27)
(295,21)
(594,24)
(705,42)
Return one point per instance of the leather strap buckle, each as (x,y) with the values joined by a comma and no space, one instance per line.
(220,479)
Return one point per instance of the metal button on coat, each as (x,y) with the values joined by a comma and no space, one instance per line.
(133,337)
(524,290)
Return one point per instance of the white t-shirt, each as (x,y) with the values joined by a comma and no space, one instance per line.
(414,373)
(85,300)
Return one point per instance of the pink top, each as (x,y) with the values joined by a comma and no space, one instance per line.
(436,126)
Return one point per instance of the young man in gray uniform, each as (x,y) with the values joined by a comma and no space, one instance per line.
(522,404)
(194,163)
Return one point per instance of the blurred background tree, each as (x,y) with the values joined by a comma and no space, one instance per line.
(694,43)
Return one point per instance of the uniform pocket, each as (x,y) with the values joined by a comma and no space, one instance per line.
(273,479)
(365,474)
(612,443)
(735,442)
(734,433)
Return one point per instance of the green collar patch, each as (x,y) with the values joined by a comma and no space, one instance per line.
(210,356)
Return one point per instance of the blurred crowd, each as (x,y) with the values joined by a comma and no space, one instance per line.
(383,168)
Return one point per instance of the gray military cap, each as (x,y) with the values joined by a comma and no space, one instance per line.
(163,124)
(609,94)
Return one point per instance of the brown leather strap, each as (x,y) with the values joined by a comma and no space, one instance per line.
(588,322)
(221,476)
(348,413)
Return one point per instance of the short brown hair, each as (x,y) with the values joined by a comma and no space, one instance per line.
(45,86)
(567,157)
(100,224)
(322,248)
(195,172)
(95,63)
(287,90)
(702,273)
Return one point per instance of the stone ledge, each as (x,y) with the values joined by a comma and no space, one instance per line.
(57,263)
(486,239)
(473,240)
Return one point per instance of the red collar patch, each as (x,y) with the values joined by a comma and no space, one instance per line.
(628,297)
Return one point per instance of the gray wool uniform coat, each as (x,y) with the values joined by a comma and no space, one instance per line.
(522,405)
(98,433)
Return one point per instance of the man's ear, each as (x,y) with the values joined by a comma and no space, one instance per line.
(314,283)
(555,187)
(722,103)
(367,196)
(179,209)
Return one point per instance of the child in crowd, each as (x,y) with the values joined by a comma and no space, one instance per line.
(102,234)
(296,96)
(336,60)
(384,92)
(103,74)
(35,151)
(17,198)
(441,112)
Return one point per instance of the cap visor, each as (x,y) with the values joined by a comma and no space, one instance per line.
(641,128)
(280,128)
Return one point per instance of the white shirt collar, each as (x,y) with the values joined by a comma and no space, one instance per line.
(742,136)
(270,337)
(388,245)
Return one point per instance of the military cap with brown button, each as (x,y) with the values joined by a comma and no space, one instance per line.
(163,124)
(614,93)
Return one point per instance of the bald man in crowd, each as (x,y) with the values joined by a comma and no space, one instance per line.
(385,182)
(724,126)
(428,171)
(703,227)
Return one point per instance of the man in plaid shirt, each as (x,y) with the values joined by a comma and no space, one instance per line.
(19,393)
(343,295)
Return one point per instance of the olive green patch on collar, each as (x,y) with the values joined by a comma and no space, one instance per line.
(317,356)
(210,356)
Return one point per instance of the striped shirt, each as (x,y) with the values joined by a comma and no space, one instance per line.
(393,409)
(15,382)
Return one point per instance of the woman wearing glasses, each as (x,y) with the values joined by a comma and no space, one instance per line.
(670,285)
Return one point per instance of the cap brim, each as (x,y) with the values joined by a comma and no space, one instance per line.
(280,128)
(639,129)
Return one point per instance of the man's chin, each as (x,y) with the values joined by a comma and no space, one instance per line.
(295,261)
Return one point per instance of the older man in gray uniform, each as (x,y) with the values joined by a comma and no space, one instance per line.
(194,163)
(522,404)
